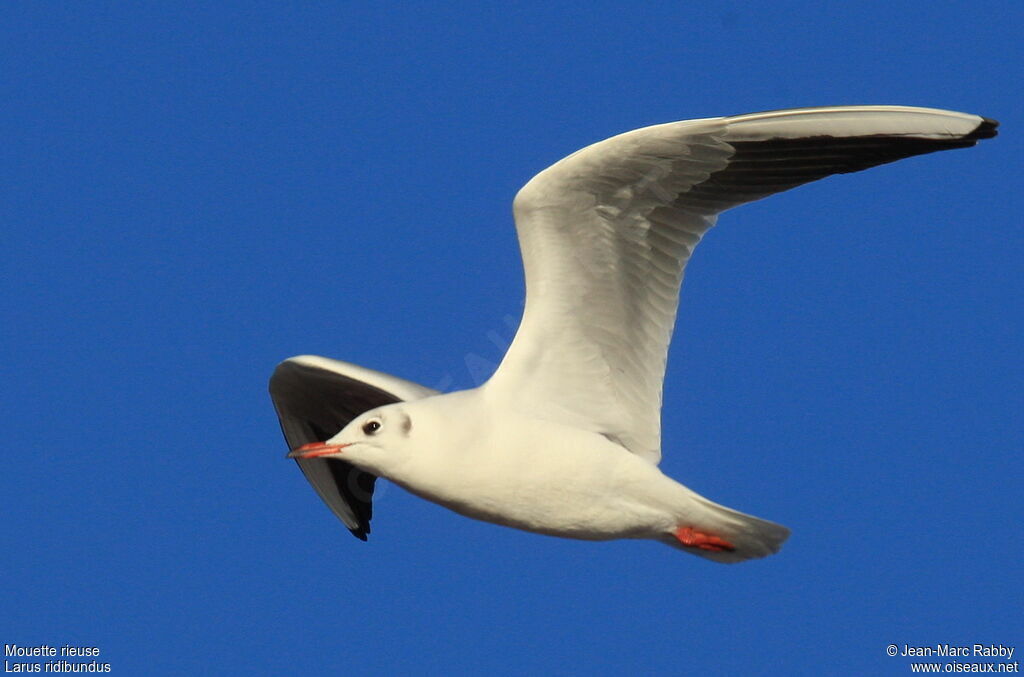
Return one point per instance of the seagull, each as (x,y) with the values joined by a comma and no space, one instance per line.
(565,438)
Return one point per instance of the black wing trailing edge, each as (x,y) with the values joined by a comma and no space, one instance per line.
(314,404)
(764,167)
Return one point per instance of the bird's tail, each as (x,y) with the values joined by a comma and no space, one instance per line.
(742,536)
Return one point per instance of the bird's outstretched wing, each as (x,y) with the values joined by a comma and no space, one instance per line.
(606,233)
(315,397)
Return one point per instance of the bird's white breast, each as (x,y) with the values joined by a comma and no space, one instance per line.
(539,476)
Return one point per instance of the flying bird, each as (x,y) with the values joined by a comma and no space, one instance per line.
(565,437)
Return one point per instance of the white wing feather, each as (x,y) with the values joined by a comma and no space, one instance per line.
(606,234)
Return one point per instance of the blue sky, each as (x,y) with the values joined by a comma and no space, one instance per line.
(193,192)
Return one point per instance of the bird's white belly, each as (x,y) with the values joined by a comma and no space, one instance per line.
(592,490)
(557,510)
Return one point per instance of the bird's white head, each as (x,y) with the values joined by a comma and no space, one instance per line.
(376,441)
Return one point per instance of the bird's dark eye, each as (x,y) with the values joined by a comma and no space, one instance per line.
(371,426)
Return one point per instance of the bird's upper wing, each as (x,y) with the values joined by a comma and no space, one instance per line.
(606,233)
(315,397)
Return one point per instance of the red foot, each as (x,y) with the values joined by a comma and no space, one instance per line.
(692,538)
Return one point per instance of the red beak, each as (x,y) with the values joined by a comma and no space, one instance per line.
(315,449)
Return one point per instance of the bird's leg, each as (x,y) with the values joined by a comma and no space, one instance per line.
(692,538)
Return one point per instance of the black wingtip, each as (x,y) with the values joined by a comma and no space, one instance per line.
(360,533)
(986,130)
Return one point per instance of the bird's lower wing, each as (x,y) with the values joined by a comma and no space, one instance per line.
(315,397)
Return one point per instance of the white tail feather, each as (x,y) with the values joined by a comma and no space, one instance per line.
(751,536)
